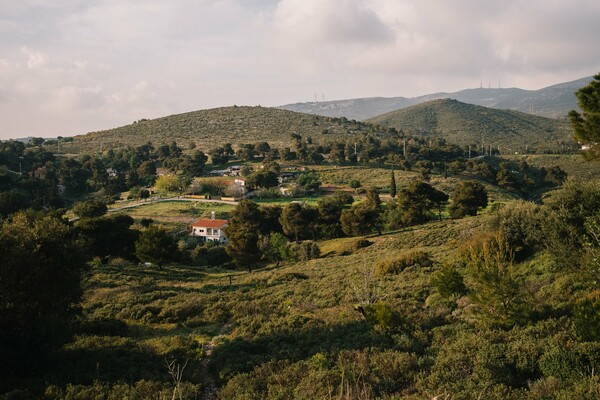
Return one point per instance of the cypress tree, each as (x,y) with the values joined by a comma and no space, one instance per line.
(393,185)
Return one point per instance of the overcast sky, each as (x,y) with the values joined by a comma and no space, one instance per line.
(73,66)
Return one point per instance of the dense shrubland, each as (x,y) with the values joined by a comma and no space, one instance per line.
(489,306)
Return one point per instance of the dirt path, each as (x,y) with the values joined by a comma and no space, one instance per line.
(209,383)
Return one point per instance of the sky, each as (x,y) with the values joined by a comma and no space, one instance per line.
(73,66)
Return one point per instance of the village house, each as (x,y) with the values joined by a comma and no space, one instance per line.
(210,230)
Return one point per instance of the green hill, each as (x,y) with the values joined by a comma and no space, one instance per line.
(467,124)
(553,101)
(215,127)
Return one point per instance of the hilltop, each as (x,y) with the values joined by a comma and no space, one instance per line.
(552,101)
(215,127)
(467,124)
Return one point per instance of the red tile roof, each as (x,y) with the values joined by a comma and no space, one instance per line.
(210,223)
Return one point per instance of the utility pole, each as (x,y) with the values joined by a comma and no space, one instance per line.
(404,153)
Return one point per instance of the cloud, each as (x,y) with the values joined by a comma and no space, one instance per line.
(93,64)
(34,58)
(329,22)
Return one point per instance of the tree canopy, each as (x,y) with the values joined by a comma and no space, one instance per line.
(586,126)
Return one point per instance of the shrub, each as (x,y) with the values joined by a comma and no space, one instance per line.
(448,282)
(395,265)
(304,251)
(521,224)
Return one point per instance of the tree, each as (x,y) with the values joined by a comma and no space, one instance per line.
(586,127)
(360,219)
(90,208)
(243,233)
(298,220)
(108,236)
(194,165)
(275,248)
(156,245)
(168,183)
(355,184)
(414,204)
(494,286)
(40,287)
(309,181)
(269,222)
(468,198)
(393,185)
(330,211)
(262,179)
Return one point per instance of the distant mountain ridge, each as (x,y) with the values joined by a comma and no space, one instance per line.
(552,102)
(467,124)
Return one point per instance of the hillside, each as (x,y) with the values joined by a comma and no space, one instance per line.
(215,127)
(467,124)
(553,101)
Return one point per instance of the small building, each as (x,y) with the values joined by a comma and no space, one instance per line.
(210,230)
(240,182)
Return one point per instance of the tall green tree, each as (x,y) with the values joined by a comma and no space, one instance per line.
(415,204)
(468,198)
(40,288)
(393,185)
(156,245)
(586,126)
(299,221)
(108,236)
(90,208)
(243,234)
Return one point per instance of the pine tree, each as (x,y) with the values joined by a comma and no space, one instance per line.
(586,127)
(243,233)
(393,185)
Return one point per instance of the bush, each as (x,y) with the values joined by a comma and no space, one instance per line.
(448,282)
(395,265)
(521,223)
(304,251)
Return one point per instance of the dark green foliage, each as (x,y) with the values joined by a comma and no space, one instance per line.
(586,127)
(360,219)
(269,222)
(499,294)
(40,276)
(448,282)
(108,236)
(355,184)
(262,179)
(90,209)
(393,185)
(309,182)
(467,199)
(415,204)
(299,221)
(156,245)
(243,232)
(521,224)
(565,226)
(275,248)
(330,210)
(304,251)
(209,254)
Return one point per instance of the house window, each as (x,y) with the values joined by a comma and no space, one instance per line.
(209,231)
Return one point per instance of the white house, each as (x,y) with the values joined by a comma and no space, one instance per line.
(210,230)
